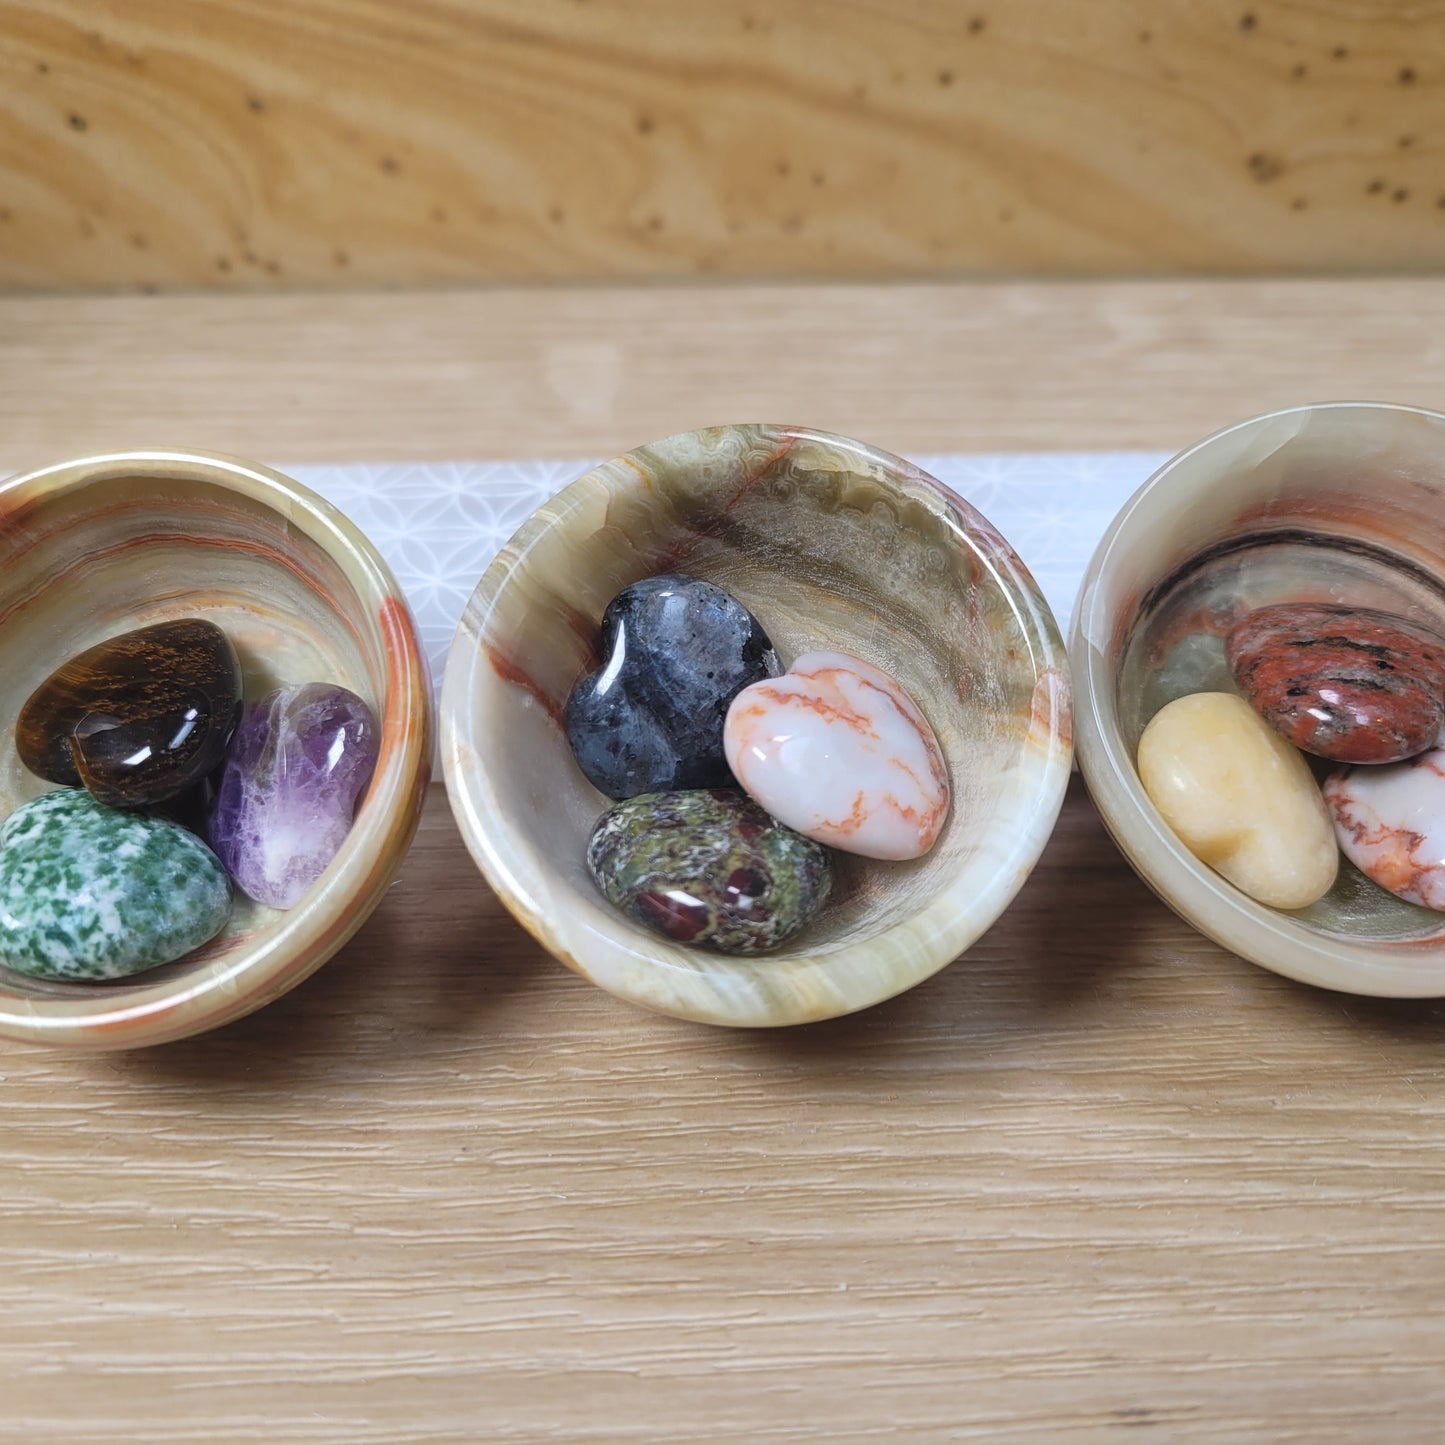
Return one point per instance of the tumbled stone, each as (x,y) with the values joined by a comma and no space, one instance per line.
(1346,683)
(287,794)
(649,720)
(136,719)
(836,749)
(1390,822)
(90,893)
(1240,798)
(708,868)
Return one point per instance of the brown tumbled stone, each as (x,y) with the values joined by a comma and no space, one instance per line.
(138,718)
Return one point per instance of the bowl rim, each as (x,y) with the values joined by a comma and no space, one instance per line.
(1264,936)
(1050,736)
(132,1013)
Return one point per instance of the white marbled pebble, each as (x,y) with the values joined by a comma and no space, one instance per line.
(1391,824)
(837,750)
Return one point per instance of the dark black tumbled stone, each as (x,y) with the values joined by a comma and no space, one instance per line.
(677,651)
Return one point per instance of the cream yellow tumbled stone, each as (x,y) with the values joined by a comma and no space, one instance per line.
(1240,798)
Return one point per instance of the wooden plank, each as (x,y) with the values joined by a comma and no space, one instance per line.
(266,143)
(558,372)
(1096,1177)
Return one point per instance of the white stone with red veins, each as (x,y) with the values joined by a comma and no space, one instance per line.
(1390,821)
(837,750)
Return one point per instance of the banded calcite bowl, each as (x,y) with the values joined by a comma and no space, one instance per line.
(93,548)
(1340,503)
(832,545)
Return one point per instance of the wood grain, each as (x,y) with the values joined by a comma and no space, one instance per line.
(267,143)
(1095,1179)
(591,372)
(1095,1176)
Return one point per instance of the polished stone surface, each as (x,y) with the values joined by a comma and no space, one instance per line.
(677,651)
(838,750)
(89,893)
(831,544)
(138,718)
(1390,822)
(708,868)
(1240,798)
(287,793)
(1351,684)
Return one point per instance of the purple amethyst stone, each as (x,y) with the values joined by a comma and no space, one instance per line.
(299,760)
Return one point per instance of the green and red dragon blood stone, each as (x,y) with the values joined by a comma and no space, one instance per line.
(709,868)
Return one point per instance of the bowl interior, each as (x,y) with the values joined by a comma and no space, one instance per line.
(1338,504)
(831,545)
(95,549)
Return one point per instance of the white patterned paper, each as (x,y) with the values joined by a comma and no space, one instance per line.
(439,524)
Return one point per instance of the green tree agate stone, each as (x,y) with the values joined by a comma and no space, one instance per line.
(709,868)
(89,893)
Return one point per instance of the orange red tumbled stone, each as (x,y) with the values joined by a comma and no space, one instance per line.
(1347,683)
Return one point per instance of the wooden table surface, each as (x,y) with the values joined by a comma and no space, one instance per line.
(1096,1177)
